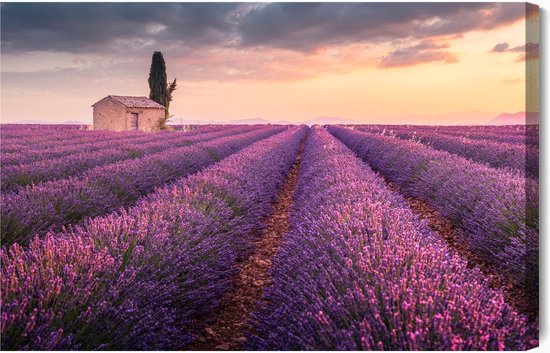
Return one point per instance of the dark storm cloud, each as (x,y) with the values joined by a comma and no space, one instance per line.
(91,27)
(102,27)
(307,26)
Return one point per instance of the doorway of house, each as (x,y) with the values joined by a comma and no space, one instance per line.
(134,121)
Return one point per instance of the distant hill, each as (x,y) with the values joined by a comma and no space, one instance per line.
(78,122)
(519,118)
(30,122)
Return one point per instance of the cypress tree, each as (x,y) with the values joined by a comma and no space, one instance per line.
(160,90)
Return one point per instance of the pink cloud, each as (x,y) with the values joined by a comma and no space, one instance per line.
(424,52)
(269,64)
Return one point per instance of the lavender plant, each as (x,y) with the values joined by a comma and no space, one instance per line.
(48,138)
(35,152)
(51,205)
(359,271)
(495,154)
(142,278)
(16,176)
(497,209)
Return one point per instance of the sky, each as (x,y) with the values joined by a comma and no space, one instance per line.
(418,63)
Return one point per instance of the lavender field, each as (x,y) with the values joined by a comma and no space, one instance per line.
(270,237)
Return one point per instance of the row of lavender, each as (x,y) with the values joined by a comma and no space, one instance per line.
(465,129)
(42,150)
(18,128)
(51,205)
(21,139)
(523,158)
(81,159)
(528,131)
(142,279)
(497,210)
(477,133)
(359,271)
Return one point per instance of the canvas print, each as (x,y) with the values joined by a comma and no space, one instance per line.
(269,176)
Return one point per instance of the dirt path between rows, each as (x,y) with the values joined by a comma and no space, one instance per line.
(518,297)
(231,321)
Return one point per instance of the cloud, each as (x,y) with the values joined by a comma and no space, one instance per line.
(430,44)
(307,26)
(424,52)
(500,47)
(101,27)
(530,51)
(240,41)
(252,64)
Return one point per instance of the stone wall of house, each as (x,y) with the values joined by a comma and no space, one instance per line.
(111,115)
(148,118)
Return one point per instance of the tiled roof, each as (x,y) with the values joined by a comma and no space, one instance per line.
(136,102)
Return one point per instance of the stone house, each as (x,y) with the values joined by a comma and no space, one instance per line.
(121,113)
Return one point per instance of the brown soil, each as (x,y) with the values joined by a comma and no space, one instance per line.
(517,296)
(232,319)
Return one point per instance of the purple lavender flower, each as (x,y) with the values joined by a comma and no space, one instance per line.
(143,278)
(359,271)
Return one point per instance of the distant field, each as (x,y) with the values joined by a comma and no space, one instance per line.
(270,237)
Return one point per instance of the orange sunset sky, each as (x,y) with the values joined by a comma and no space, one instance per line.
(421,63)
